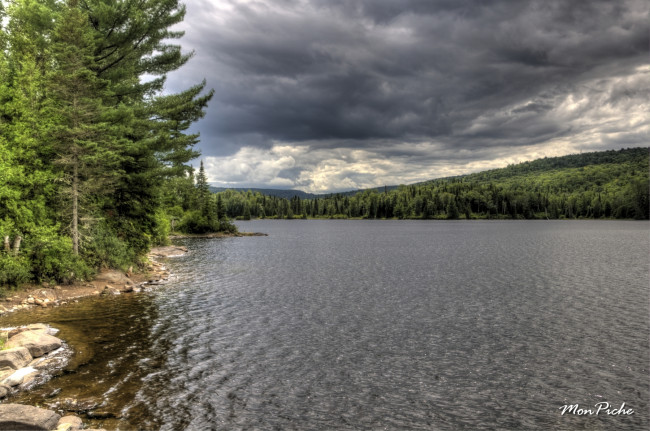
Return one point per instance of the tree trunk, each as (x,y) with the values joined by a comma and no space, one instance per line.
(17,244)
(75,209)
(7,247)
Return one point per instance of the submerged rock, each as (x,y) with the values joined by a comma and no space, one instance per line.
(38,343)
(74,405)
(22,417)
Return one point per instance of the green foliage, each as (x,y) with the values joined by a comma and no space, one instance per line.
(91,154)
(195,222)
(193,207)
(52,259)
(14,270)
(105,250)
(162,228)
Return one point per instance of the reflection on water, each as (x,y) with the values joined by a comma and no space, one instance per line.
(373,325)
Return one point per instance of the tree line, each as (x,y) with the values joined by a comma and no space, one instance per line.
(89,143)
(609,184)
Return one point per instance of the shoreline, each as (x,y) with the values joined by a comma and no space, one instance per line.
(215,235)
(107,282)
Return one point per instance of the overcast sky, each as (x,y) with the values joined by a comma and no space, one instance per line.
(331,95)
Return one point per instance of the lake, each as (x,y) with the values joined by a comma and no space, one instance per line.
(368,325)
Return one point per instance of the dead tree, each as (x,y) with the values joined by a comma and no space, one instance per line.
(17,244)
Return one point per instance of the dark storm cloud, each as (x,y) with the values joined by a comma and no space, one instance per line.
(368,74)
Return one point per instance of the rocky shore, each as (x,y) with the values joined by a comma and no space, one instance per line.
(107,282)
(31,354)
(29,357)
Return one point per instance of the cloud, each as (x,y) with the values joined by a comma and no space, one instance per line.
(390,79)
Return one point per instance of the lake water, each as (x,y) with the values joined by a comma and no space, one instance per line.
(372,325)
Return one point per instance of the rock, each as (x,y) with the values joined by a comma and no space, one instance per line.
(30,300)
(54,393)
(15,358)
(127,289)
(29,381)
(108,286)
(4,391)
(69,423)
(169,251)
(19,376)
(6,372)
(78,406)
(38,343)
(33,327)
(46,363)
(21,417)
(112,277)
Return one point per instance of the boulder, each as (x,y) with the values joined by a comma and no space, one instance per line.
(6,372)
(21,417)
(169,251)
(33,327)
(69,423)
(4,391)
(19,376)
(38,343)
(112,277)
(15,358)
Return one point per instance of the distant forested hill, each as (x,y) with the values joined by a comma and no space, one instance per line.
(287,194)
(608,184)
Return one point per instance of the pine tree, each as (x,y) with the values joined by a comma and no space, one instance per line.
(82,136)
(132,40)
(203,192)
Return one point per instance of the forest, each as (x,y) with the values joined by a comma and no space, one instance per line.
(89,143)
(607,184)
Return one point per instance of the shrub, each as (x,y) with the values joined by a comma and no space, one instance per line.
(14,270)
(161,229)
(194,222)
(105,249)
(52,258)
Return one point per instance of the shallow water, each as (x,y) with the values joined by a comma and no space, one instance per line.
(373,325)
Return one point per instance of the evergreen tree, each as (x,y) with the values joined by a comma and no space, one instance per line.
(203,191)
(82,136)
